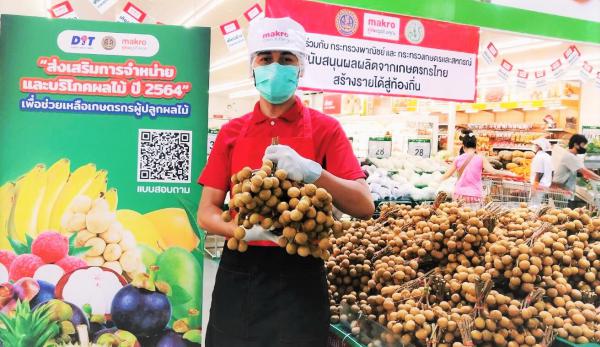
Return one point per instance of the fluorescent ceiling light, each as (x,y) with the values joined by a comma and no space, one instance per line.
(244,93)
(236,58)
(230,85)
(202,11)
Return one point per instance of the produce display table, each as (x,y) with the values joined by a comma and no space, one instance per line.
(344,339)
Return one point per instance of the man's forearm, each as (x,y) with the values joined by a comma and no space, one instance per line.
(209,219)
(351,197)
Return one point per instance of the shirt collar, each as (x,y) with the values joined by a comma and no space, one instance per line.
(290,116)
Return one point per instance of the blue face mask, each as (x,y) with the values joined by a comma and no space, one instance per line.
(275,82)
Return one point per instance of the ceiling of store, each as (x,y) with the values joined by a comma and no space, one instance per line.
(229,72)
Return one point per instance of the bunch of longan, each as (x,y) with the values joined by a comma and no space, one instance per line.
(302,213)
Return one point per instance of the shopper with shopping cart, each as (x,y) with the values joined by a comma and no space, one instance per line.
(570,166)
(541,171)
(469,167)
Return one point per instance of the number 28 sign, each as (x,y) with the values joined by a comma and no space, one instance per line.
(380,147)
(419,147)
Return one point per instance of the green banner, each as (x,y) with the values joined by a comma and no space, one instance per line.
(103,131)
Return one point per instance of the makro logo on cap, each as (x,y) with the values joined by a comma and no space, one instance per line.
(381,27)
(346,22)
(94,42)
(275,34)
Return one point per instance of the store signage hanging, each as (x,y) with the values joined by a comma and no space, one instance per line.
(380,147)
(358,51)
(103,5)
(210,139)
(505,69)
(522,77)
(540,78)
(419,147)
(572,54)
(63,10)
(233,35)
(557,68)
(586,71)
(332,103)
(490,53)
(254,12)
(131,14)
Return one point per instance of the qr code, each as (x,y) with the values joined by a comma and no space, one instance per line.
(164,156)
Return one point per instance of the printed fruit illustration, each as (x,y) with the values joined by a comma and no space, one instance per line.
(149,255)
(29,193)
(58,174)
(50,273)
(24,265)
(38,200)
(174,267)
(6,258)
(50,246)
(68,317)
(27,327)
(110,243)
(142,229)
(93,286)
(118,338)
(174,227)
(3,274)
(7,197)
(140,308)
(168,338)
(45,294)
(24,289)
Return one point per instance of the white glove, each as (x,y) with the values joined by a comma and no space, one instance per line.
(298,168)
(258,233)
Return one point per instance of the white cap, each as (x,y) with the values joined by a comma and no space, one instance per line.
(543,143)
(277,34)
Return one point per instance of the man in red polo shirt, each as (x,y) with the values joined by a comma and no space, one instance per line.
(265,297)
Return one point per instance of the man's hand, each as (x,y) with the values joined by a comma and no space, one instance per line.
(298,168)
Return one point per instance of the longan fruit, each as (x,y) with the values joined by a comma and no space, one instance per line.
(291,248)
(232,243)
(293,192)
(303,251)
(301,238)
(296,216)
(289,232)
(242,246)
(282,206)
(239,233)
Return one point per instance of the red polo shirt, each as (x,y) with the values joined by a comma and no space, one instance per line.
(332,148)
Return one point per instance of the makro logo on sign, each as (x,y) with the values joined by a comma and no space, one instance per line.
(381,27)
(106,43)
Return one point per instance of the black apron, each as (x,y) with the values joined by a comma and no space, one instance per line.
(268,298)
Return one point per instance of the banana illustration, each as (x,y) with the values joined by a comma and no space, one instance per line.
(77,184)
(29,195)
(58,174)
(98,185)
(7,199)
(112,197)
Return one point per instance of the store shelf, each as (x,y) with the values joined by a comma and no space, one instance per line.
(512,148)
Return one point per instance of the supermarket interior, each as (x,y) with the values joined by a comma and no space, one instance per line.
(472,126)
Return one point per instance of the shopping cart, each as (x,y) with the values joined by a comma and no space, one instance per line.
(514,191)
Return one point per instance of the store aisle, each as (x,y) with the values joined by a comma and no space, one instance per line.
(210,272)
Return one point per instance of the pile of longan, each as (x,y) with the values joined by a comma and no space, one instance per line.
(302,213)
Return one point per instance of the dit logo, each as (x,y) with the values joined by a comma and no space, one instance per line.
(82,40)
